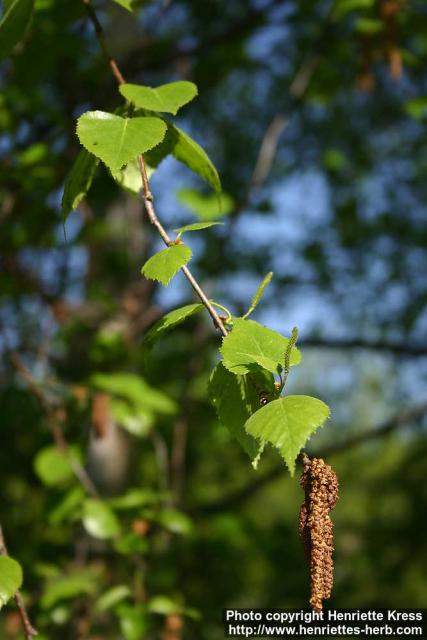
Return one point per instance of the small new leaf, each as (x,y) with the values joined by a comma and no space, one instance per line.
(196,226)
(78,182)
(287,423)
(10,578)
(165,264)
(258,295)
(169,321)
(116,140)
(168,98)
(250,344)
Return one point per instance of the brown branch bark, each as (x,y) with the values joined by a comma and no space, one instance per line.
(54,416)
(147,195)
(29,630)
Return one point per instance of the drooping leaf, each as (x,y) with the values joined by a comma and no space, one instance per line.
(52,466)
(228,394)
(259,293)
(206,206)
(190,153)
(168,98)
(99,520)
(136,390)
(116,140)
(10,578)
(169,321)
(165,264)
(196,226)
(250,343)
(287,423)
(78,182)
(112,597)
(14,24)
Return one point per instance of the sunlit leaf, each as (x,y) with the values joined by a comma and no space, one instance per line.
(116,140)
(250,343)
(287,423)
(259,293)
(10,578)
(169,321)
(167,98)
(53,466)
(162,266)
(206,206)
(196,226)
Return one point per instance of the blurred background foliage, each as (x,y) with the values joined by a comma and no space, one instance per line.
(315,115)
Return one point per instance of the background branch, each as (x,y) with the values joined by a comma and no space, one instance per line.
(239,496)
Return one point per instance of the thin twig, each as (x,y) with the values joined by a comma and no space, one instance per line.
(147,195)
(53,416)
(29,630)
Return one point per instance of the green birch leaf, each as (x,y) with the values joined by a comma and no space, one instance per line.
(99,520)
(14,24)
(168,98)
(129,177)
(165,264)
(250,344)
(10,578)
(234,403)
(169,321)
(190,153)
(196,226)
(259,293)
(287,423)
(78,181)
(206,206)
(52,466)
(116,140)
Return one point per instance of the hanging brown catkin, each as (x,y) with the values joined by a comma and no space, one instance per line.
(320,485)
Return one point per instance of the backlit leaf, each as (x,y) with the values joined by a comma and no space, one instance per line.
(169,321)
(10,578)
(165,264)
(78,181)
(287,423)
(250,343)
(116,140)
(168,98)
